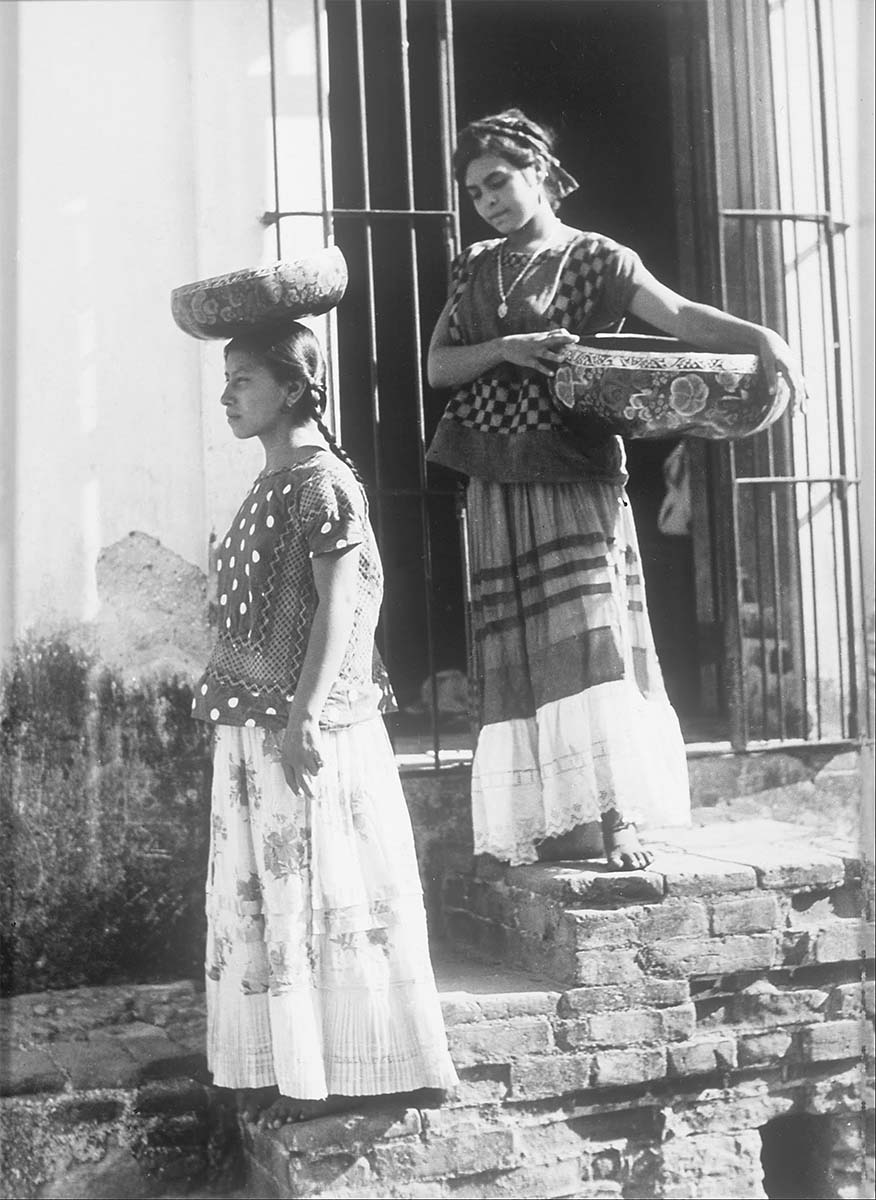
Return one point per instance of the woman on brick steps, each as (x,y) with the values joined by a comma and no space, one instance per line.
(575,723)
(319,984)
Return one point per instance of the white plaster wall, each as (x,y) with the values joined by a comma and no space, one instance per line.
(108,436)
(8,314)
(145,162)
(234,174)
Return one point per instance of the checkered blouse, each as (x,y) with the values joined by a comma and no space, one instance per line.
(584,284)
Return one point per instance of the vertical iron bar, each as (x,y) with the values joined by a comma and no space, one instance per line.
(744,230)
(448,63)
(792,188)
(272,56)
(732,592)
(817,164)
(815,573)
(428,581)
(766,317)
(754,302)
(371,298)
(451,246)
(852,722)
(865,719)
(472,656)
(320,20)
(739,731)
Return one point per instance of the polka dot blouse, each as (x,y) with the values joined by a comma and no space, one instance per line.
(267,598)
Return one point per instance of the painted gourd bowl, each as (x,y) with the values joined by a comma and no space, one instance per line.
(262,297)
(646,387)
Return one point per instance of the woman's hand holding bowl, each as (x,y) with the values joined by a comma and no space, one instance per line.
(538,351)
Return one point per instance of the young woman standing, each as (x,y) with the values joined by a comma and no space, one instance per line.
(576,724)
(319,983)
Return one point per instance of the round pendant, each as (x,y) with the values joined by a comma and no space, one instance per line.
(502,310)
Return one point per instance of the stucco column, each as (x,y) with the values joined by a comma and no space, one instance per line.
(865,370)
(865,300)
(8,315)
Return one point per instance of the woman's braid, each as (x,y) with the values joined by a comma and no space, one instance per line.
(336,448)
(318,400)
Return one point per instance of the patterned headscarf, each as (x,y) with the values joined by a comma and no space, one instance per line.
(515,129)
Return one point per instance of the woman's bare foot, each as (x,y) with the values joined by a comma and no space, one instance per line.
(252,1102)
(623,850)
(286,1110)
(581,842)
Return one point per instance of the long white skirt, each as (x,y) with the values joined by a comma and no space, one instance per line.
(575,720)
(318,970)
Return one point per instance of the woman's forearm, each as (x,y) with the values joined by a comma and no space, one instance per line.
(699,325)
(711,329)
(452,366)
(326,646)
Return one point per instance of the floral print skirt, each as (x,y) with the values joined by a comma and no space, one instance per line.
(318,971)
(574,717)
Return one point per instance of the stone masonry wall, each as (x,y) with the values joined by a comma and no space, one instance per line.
(106,1095)
(664,1020)
(538,1115)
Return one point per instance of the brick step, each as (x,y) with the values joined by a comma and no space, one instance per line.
(718,899)
(567,1094)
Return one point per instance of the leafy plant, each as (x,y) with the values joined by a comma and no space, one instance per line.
(104,823)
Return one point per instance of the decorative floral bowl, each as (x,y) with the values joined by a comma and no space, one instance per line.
(262,297)
(644,387)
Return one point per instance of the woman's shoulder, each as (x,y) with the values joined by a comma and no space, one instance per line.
(592,257)
(313,466)
(321,464)
(591,243)
(475,248)
(325,474)
(471,253)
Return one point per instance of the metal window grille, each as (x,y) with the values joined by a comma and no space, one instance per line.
(792,565)
(388,200)
(787,551)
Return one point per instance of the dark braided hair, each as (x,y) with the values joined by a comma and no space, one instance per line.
(291,355)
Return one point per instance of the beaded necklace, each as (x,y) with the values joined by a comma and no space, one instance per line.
(502,310)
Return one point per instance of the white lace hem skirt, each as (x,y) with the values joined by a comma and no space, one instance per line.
(318,971)
(606,748)
(575,720)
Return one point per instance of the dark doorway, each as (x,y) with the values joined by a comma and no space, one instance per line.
(795,1156)
(598,73)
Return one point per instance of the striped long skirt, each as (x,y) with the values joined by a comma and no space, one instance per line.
(318,971)
(575,720)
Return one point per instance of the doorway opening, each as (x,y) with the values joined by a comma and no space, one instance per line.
(599,74)
(795,1156)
